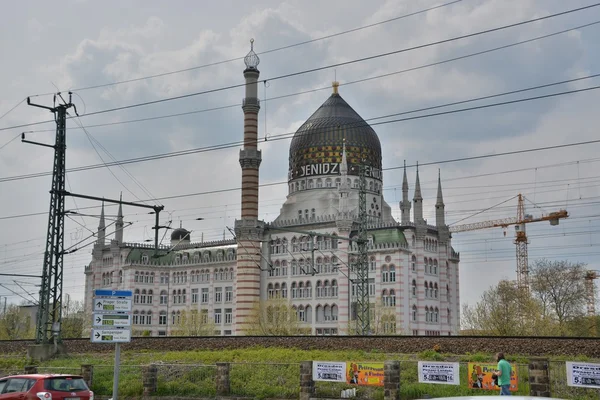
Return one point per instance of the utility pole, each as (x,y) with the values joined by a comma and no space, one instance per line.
(363,319)
(49,309)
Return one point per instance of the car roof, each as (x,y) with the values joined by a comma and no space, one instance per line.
(42,376)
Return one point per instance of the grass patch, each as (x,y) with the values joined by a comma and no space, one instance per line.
(275,372)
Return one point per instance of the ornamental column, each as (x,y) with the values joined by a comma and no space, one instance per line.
(249,229)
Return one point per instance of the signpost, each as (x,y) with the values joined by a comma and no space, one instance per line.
(111,323)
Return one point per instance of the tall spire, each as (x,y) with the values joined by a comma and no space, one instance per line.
(418,200)
(405,204)
(344,219)
(119,224)
(440,219)
(102,227)
(344,166)
(440,198)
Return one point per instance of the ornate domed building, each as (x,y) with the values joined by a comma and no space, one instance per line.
(308,257)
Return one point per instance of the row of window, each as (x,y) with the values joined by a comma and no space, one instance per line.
(205,257)
(303,243)
(431,314)
(431,265)
(318,183)
(197,276)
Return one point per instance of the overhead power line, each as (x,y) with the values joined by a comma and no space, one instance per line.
(311,70)
(268,51)
(362,80)
(289,135)
(216,191)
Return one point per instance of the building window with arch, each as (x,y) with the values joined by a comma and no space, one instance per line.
(164,297)
(413,263)
(414,313)
(392,273)
(414,288)
(436,315)
(384,274)
(435,291)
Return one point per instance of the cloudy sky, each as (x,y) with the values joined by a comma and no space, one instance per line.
(82,44)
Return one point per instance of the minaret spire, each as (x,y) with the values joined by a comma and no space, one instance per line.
(405,204)
(440,219)
(119,224)
(102,227)
(249,229)
(418,200)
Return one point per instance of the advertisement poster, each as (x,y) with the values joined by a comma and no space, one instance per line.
(329,371)
(480,376)
(365,374)
(581,374)
(445,373)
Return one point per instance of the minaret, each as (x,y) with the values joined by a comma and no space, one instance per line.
(249,230)
(344,217)
(101,228)
(418,200)
(119,224)
(405,204)
(440,219)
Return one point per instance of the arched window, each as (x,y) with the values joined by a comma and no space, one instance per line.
(414,312)
(270,291)
(334,288)
(435,291)
(294,290)
(426,314)
(392,298)
(435,267)
(413,263)
(436,315)
(384,274)
(319,288)
(120,276)
(431,289)
(284,290)
(426,289)
(136,296)
(414,288)
(384,297)
(392,273)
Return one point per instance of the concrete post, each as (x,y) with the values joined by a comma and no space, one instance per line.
(223,384)
(150,379)
(539,377)
(307,385)
(87,373)
(31,369)
(391,380)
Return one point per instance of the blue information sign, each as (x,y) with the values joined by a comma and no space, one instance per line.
(113,293)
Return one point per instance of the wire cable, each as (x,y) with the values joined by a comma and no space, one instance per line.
(311,70)
(285,136)
(267,51)
(377,77)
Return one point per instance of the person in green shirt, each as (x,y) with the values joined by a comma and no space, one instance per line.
(503,373)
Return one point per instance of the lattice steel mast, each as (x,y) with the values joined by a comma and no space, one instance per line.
(363,319)
(50,304)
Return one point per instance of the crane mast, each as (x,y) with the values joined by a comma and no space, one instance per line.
(521,240)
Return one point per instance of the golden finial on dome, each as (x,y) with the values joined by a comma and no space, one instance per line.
(335,85)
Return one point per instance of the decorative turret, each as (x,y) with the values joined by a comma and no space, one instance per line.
(418,200)
(405,204)
(440,219)
(119,224)
(102,228)
(344,217)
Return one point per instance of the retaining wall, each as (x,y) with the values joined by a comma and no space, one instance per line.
(526,346)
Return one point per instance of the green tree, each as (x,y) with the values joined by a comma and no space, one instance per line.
(73,319)
(16,323)
(382,320)
(560,288)
(275,317)
(506,310)
(193,323)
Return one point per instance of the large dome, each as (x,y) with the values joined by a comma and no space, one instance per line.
(316,148)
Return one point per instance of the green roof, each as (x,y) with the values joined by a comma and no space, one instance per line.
(392,235)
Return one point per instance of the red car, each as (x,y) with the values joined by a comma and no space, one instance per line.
(44,387)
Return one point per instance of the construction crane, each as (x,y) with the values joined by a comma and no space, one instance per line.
(590,294)
(521,241)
